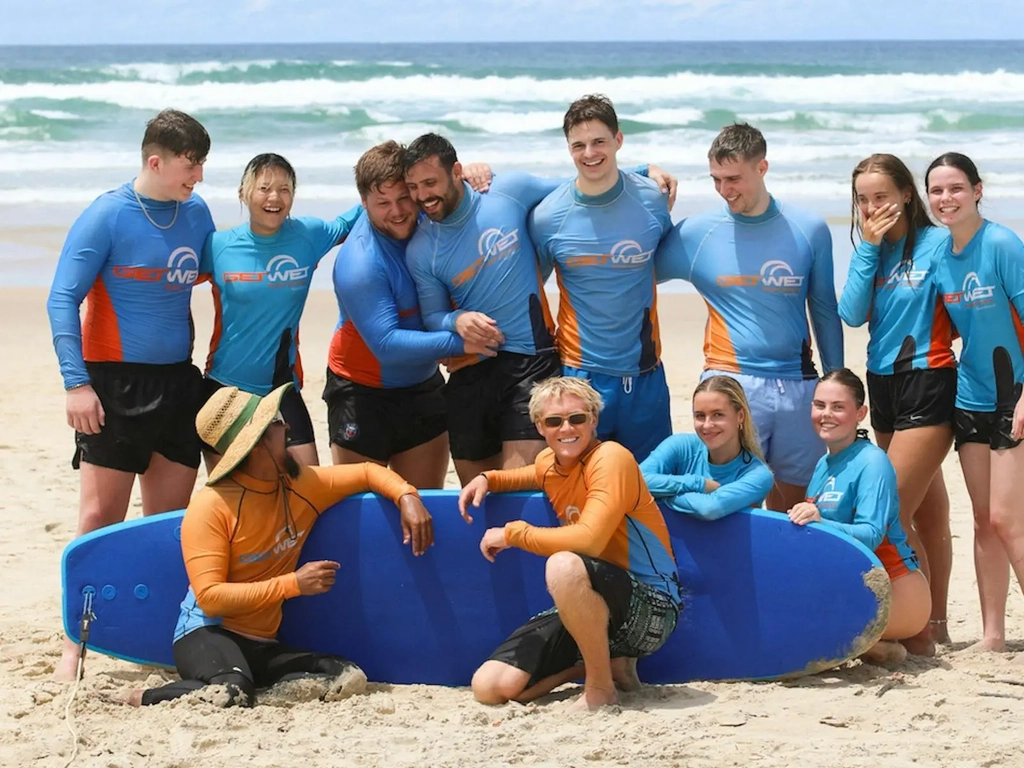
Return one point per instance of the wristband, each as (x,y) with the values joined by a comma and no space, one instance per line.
(76,386)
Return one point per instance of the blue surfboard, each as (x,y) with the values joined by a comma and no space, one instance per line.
(764,599)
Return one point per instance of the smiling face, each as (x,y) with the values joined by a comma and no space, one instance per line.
(391,210)
(951,196)
(835,414)
(717,423)
(593,147)
(568,441)
(176,176)
(740,182)
(436,191)
(270,201)
(875,191)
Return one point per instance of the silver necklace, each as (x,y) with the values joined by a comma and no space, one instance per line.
(146,213)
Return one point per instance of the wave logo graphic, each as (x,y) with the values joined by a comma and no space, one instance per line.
(777,274)
(829,495)
(900,275)
(572,514)
(285,269)
(494,246)
(972,293)
(623,255)
(182,266)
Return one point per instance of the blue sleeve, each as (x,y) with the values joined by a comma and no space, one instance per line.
(859,291)
(524,188)
(85,251)
(640,170)
(828,328)
(1009,263)
(435,301)
(331,233)
(667,470)
(877,503)
(364,294)
(748,490)
(545,259)
(671,261)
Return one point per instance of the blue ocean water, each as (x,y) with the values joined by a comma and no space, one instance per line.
(71,118)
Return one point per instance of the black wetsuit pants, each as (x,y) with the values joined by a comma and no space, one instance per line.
(214,656)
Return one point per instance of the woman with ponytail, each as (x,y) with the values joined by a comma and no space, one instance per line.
(911,369)
(720,469)
(854,490)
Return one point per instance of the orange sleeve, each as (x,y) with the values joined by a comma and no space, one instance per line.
(332,484)
(612,488)
(509,480)
(206,548)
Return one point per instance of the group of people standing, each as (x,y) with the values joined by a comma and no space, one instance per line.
(443,263)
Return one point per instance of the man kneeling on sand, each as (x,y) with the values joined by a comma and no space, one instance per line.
(241,538)
(610,566)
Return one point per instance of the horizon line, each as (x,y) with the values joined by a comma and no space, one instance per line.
(516,42)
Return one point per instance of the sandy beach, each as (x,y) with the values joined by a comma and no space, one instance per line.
(951,710)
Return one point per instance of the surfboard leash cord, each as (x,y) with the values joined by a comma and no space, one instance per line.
(83,638)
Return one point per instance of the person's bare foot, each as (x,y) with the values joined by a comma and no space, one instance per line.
(920,644)
(625,676)
(594,698)
(996,644)
(66,670)
(885,653)
(131,697)
(940,632)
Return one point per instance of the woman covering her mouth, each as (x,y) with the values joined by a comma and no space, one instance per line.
(261,273)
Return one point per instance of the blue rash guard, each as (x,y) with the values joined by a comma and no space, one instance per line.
(908,326)
(260,285)
(758,275)
(480,258)
(136,280)
(601,248)
(983,290)
(381,340)
(855,492)
(676,470)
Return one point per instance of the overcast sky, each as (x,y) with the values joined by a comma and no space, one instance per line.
(280,21)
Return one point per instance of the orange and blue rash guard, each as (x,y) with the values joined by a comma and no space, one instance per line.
(758,276)
(601,248)
(242,537)
(606,512)
(381,340)
(135,278)
(260,285)
(909,329)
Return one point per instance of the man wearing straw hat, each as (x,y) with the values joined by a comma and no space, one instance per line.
(241,538)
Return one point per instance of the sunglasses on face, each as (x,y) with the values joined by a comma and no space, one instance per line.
(575,419)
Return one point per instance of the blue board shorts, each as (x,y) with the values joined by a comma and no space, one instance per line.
(636,410)
(782,414)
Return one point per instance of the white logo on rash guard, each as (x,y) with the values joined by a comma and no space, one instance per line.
(778,275)
(285,269)
(182,267)
(494,244)
(626,252)
(974,291)
(900,275)
(572,514)
(829,495)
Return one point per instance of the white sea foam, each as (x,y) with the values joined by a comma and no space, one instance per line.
(53,114)
(507,122)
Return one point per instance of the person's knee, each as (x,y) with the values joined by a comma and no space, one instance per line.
(495,683)
(240,690)
(1004,522)
(565,570)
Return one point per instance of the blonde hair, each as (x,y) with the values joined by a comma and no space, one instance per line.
(560,386)
(256,167)
(733,390)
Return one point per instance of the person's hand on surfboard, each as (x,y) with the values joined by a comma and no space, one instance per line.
(417,524)
(803,513)
(473,492)
(493,542)
(316,577)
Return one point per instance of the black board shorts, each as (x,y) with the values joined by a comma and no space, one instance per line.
(640,620)
(293,409)
(147,409)
(489,402)
(991,428)
(912,399)
(379,423)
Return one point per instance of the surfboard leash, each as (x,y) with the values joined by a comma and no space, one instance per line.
(83,639)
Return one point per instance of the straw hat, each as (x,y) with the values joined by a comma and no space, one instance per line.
(233,421)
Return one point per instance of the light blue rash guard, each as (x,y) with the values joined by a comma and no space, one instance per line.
(758,275)
(908,326)
(480,258)
(135,278)
(260,285)
(676,470)
(855,492)
(380,340)
(983,290)
(601,248)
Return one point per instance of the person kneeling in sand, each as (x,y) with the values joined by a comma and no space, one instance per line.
(853,489)
(241,538)
(610,566)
